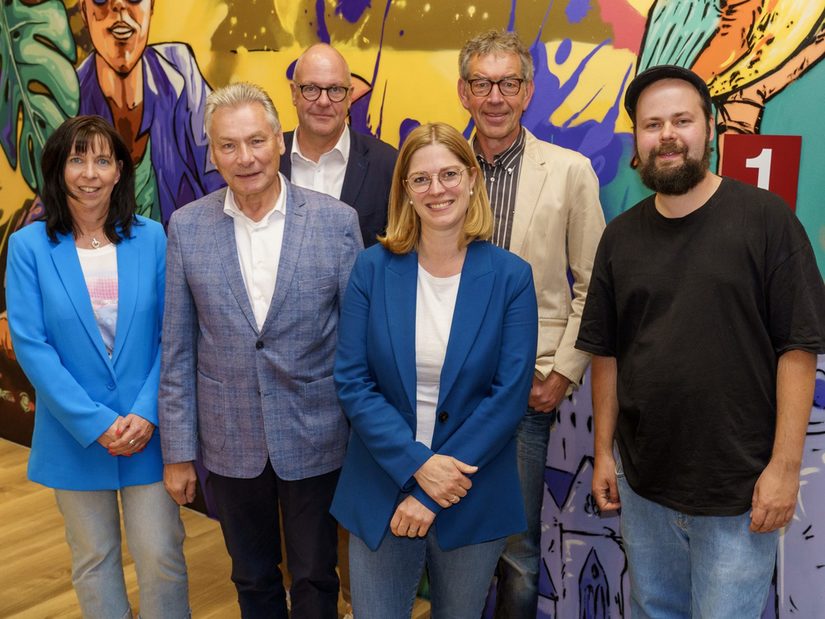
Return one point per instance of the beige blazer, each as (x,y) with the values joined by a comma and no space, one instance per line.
(558,223)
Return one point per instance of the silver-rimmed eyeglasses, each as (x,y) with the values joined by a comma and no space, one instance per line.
(419,182)
(311,92)
(509,86)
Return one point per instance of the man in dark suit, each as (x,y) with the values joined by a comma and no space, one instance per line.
(324,154)
(255,276)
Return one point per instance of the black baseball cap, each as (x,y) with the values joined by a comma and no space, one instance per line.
(661,72)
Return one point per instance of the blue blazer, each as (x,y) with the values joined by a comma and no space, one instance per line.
(79,390)
(367,180)
(236,395)
(485,382)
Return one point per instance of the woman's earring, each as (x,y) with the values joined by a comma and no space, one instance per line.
(471,192)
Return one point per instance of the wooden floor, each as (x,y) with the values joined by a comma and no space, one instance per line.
(35,573)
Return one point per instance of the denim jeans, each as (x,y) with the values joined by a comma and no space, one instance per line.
(154,532)
(699,567)
(384,582)
(517,590)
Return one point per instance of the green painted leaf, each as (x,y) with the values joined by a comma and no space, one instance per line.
(37,80)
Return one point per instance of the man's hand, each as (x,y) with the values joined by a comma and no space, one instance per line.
(112,434)
(411,518)
(5,337)
(605,489)
(444,479)
(774,497)
(546,395)
(134,433)
(180,481)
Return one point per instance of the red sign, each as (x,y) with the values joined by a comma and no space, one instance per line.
(767,161)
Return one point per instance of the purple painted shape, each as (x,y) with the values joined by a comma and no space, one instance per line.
(558,483)
(577,10)
(407,125)
(819,393)
(352,10)
(321,17)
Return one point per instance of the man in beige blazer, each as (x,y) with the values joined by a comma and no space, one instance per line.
(545,202)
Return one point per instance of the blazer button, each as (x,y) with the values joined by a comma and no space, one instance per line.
(110,387)
(259,344)
(443,416)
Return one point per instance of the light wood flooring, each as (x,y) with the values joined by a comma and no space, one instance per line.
(35,573)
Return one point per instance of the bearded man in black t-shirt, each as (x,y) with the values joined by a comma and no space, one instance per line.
(704,318)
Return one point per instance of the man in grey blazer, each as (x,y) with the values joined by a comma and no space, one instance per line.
(546,209)
(255,276)
(324,153)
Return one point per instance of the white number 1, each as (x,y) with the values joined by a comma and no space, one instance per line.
(762,162)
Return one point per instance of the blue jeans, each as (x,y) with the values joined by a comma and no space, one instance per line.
(517,591)
(699,567)
(154,532)
(384,582)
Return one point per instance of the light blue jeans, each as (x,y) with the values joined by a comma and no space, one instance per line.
(517,589)
(699,567)
(383,583)
(154,532)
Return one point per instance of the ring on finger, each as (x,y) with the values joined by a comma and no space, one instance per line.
(132,442)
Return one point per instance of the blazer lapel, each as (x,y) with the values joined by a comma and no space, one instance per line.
(474,290)
(128,276)
(293,238)
(400,288)
(356,172)
(532,177)
(227,250)
(67,264)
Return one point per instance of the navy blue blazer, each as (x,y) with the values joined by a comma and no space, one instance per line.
(369,158)
(80,390)
(485,382)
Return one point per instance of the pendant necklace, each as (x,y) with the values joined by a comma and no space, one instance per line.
(95,243)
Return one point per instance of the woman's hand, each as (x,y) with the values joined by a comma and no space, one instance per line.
(411,518)
(135,432)
(112,434)
(444,479)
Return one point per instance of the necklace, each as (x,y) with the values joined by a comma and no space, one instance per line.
(95,243)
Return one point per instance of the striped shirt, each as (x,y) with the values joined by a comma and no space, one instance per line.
(501,179)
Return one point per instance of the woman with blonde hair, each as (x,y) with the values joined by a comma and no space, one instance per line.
(436,349)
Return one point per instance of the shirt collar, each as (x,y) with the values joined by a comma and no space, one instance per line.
(341,147)
(506,157)
(230,207)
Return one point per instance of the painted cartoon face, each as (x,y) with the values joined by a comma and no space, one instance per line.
(247,150)
(497,117)
(442,206)
(119,30)
(90,178)
(322,117)
(672,137)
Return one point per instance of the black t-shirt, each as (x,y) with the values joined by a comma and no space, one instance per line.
(696,311)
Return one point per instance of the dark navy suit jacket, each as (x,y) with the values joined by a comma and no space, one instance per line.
(485,381)
(366,182)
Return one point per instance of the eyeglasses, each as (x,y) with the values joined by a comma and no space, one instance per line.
(419,182)
(508,87)
(312,92)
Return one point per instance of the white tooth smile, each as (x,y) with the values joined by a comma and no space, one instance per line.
(439,206)
(122,31)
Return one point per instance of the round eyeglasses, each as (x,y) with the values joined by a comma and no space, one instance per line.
(508,87)
(311,92)
(419,182)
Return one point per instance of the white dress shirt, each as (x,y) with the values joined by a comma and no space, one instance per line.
(326,176)
(259,250)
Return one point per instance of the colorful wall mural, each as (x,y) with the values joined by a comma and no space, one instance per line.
(147,65)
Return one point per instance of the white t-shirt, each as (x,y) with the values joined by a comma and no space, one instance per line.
(99,268)
(434,307)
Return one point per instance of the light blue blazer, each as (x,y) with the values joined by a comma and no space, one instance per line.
(485,382)
(79,390)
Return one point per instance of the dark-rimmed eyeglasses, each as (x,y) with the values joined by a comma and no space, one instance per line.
(311,92)
(419,182)
(508,87)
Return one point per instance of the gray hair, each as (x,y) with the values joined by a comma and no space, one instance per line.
(495,42)
(236,95)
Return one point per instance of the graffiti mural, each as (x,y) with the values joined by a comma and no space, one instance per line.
(147,65)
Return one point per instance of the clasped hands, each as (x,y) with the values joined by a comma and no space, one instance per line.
(446,481)
(127,435)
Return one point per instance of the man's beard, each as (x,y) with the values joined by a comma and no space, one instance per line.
(675,180)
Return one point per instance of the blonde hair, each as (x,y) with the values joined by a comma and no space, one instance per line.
(403,223)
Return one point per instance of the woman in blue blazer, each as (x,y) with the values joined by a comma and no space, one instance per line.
(84,295)
(437,342)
